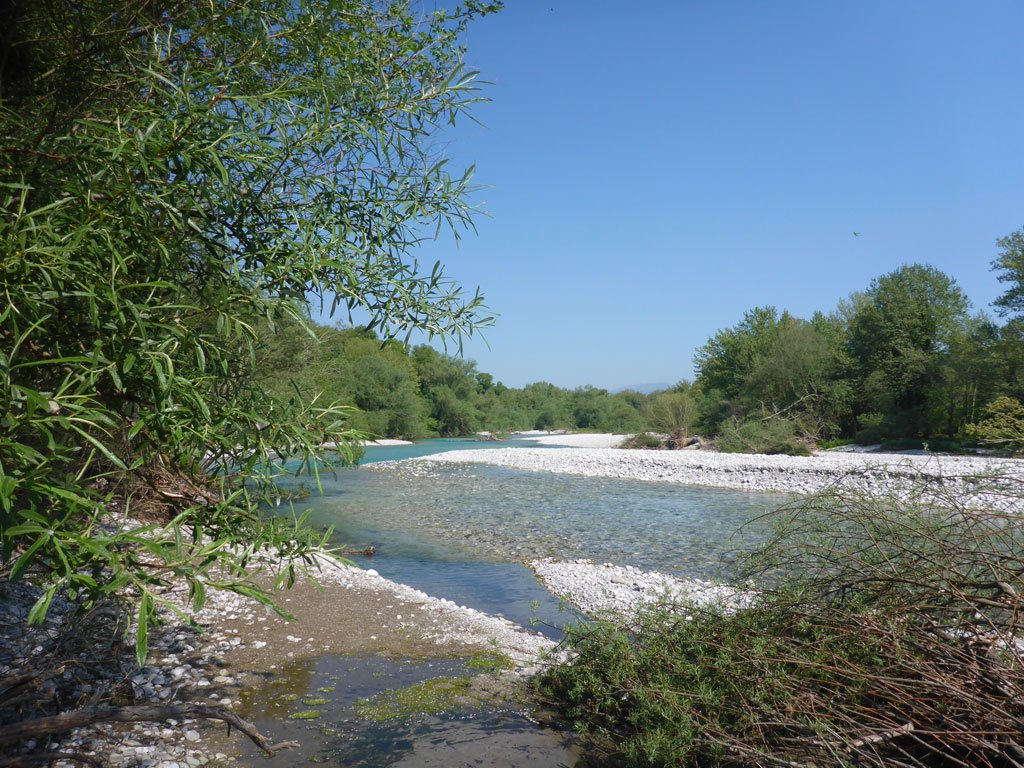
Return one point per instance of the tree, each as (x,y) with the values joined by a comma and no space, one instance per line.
(897,337)
(174,175)
(772,365)
(449,386)
(725,360)
(674,413)
(1011,265)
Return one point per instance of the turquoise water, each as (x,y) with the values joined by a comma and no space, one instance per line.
(376,453)
(464,532)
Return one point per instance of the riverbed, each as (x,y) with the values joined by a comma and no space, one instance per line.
(461,526)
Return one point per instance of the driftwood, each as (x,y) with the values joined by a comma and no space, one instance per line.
(46,726)
(35,758)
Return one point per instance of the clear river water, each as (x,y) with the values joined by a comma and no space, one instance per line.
(464,532)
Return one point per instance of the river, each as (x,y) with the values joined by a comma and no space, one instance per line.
(464,533)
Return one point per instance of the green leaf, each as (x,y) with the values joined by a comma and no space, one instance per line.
(142,619)
(198,594)
(26,559)
(37,614)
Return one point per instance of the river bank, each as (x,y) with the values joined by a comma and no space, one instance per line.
(946,476)
(242,646)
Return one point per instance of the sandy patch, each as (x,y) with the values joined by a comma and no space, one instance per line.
(244,645)
(352,611)
(581,440)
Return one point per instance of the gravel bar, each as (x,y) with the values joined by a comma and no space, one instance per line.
(616,592)
(948,476)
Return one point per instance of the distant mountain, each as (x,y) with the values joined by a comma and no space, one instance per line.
(644,389)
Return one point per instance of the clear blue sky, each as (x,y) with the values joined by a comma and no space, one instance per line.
(654,169)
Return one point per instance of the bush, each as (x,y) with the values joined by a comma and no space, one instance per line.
(644,440)
(762,436)
(174,176)
(886,633)
(1003,425)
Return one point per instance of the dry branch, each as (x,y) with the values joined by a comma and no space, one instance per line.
(142,713)
(35,758)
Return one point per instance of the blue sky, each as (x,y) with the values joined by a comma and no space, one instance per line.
(655,169)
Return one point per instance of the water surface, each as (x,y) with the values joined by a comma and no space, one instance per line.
(464,531)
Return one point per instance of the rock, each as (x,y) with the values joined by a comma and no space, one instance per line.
(192,735)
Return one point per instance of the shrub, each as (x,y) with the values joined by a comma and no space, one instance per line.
(174,176)
(644,440)
(887,632)
(767,436)
(1003,425)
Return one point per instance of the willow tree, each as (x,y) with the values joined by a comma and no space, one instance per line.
(174,175)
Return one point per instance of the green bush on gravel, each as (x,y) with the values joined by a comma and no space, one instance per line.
(768,436)
(886,633)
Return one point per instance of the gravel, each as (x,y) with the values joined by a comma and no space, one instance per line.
(353,611)
(583,440)
(187,665)
(944,476)
(616,592)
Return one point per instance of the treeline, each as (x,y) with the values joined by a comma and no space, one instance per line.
(416,391)
(903,360)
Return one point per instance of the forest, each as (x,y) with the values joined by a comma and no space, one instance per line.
(903,361)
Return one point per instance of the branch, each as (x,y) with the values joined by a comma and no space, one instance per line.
(35,758)
(876,738)
(791,406)
(142,713)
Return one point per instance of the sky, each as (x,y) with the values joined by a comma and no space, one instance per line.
(655,169)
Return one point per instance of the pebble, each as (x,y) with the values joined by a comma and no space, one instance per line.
(607,589)
(873,472)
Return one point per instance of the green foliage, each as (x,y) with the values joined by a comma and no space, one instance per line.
(724,361)
(875,427)
(349,366)
(1010,265)
(899,360)
(1002,426)
(769,436)
(772,365)
(876,619)
(179,182)
(897,337)
(672,413)
(399,391)
(644,440)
